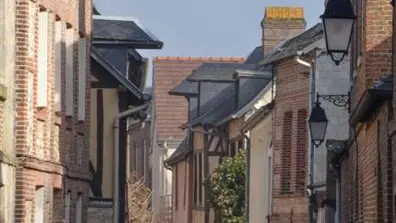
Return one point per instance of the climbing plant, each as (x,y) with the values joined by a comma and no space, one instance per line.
(226,186)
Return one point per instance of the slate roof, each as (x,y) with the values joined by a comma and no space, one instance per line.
(182,150)
(170,110)
(113,69)
(290,47)
(123,30)
(223,105)
(185,88)
(220,105)
(371,99)
(218,71)
(255,56)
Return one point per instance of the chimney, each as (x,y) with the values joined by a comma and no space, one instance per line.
(281,23)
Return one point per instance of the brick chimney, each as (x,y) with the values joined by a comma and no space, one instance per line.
(281,23)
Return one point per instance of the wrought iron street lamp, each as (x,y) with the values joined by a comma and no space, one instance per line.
(318,120)
(338,20)
(318,124)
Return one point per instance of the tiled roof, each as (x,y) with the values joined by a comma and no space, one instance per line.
(295,44)
(218,71)
(171,111)
(122,30)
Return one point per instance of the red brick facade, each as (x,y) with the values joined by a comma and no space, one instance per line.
(54,153)
(289,202)
(366,172)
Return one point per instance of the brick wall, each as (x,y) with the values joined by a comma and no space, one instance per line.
(292,87)
(41,134)
(7,111)
(281,23)
(366,172)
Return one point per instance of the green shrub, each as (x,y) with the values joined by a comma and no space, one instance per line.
(226,186)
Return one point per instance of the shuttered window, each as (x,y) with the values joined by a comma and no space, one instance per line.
(302,147)
(286,150)
(67,206)
(42,76)
(58,66)
(82,73)
(69,71)
(79,207)
(39,205)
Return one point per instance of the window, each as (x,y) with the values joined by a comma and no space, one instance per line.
(240,145)
(67,206)
(42,76)
(58,66)
(82,70)
(57,205)
(232,149)
(79,207)
(286,151)
(302,147)
(176,187)
(39,205)
(69,71)
(198,176)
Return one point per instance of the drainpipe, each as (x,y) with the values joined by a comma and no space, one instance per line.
(117,118)
(247,182)
(311,149)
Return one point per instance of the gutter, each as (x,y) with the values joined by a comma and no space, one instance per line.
(247,182)
(117,118)
(127,43)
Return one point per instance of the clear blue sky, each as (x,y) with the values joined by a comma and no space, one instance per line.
(204,27)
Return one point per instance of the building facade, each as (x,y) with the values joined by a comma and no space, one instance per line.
(8,160)
(366,168)
(169,112)
(52,110)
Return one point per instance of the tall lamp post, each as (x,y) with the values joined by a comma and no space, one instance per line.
(338,20)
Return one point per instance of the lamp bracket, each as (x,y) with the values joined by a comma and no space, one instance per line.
(339,100)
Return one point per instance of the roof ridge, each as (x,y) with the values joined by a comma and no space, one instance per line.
(189,58)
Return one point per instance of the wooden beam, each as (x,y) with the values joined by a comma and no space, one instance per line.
(206,173)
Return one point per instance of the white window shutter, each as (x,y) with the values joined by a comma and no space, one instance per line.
(82,70)
(58,66)
(42,60)
(69,72)
(79,207)
(67,207)
(39,205)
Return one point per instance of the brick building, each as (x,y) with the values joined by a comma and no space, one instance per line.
(52,110)
(366,167)
(7,110)
(169,112)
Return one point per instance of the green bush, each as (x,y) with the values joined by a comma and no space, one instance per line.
(226,186)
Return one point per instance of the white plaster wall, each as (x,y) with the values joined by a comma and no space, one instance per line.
(259,187)
(331,79)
